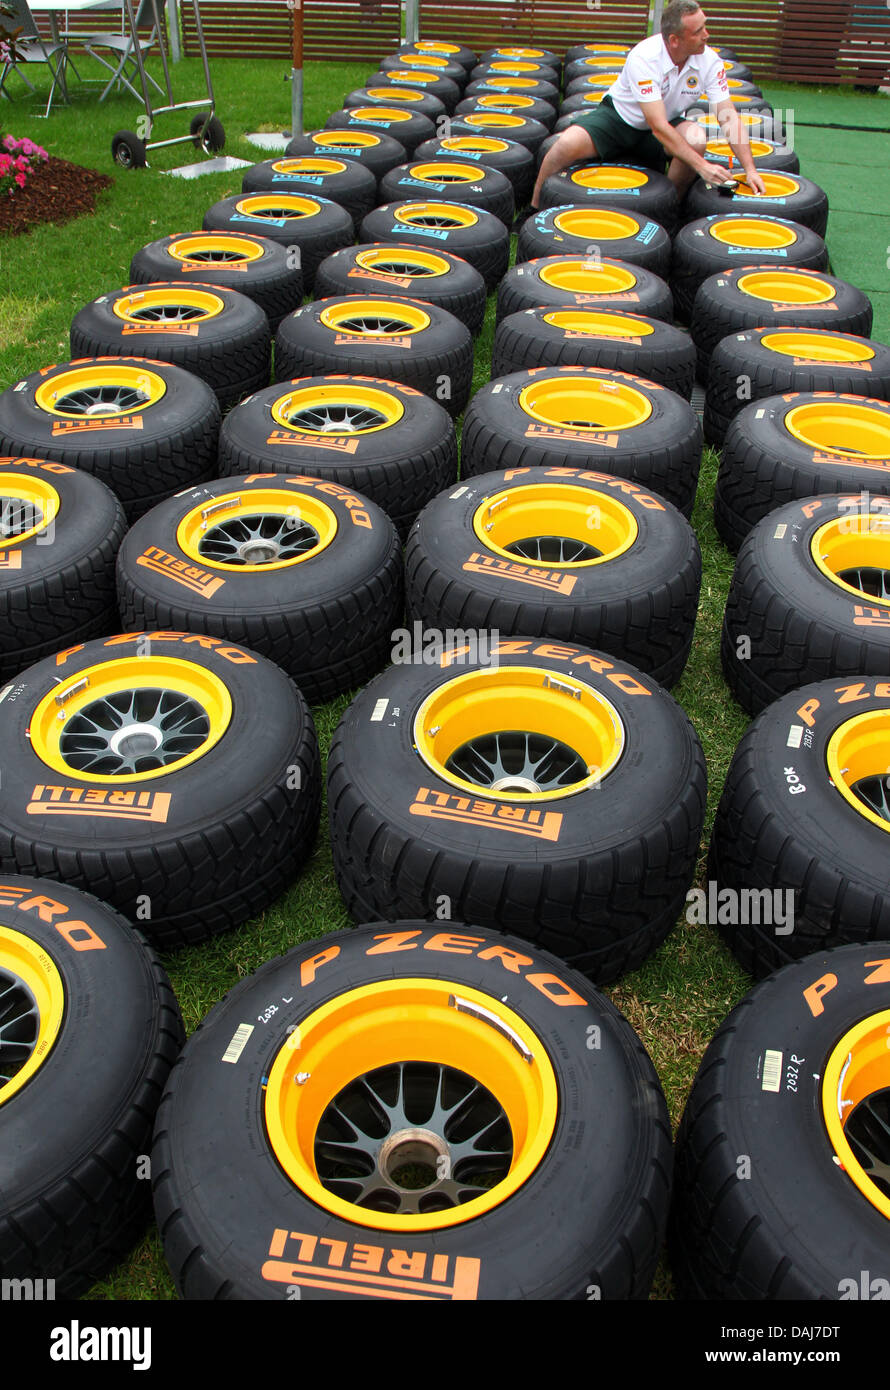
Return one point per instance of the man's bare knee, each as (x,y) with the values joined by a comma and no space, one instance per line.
(694,135)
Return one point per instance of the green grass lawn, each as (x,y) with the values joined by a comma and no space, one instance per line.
(678,999)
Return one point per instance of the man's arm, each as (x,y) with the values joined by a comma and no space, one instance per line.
(678,146)
(731,128)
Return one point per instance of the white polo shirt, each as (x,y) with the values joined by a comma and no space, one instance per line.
(649,74)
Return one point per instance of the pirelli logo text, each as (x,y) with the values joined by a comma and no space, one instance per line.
(551,580)
(628,296)
(857,461)
(599,337)
(469,810)
(348,340)
(369,1271)
(341,443)
(62,428)
(47,800)
(535,431)
(793,308)
(403,281)
(188,330)
(190,576)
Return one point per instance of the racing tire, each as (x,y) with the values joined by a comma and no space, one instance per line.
(802,825)
(256,266)
(305,229)
(471,185)
(477,236)
(61,530)
(375,152)
(406,829)
(86,1061)
(787,195)
(810,1215)
(512,103)
(618,185)
(809,598)
(408,128)
(595,338)
(499,125)
(219,335)
(379,438)
(442,88)
(710,245)
(770,362)
(766,154)
(302,571)
(185,849)
(638,430)
(769,297)
(594,232)
(595,283)
(437,277)
(341,181)
(400,339)
(570,554)
(418,102)
(507,156)
(798,445)
(546,1220)
(143,428)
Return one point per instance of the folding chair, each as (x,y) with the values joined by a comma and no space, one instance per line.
(29,47)
(124,46)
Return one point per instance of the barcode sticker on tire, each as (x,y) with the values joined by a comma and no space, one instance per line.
(460,492)
(772,1071)
(780,530)
(795,736)
(238,1043)
(379,711)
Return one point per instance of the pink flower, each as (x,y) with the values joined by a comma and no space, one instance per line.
(20,180)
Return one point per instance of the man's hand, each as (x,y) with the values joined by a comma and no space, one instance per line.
(753,180)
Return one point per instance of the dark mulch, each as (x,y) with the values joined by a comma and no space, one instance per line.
(56,191)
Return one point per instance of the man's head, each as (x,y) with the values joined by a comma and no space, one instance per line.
(683,29)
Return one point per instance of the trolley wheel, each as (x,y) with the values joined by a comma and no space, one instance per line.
(128,150)
(213,137)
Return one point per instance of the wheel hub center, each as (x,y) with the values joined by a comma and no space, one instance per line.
(411,1160)
(135,740)
(516,786)
(259,552)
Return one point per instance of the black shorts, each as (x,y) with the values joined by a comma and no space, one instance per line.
(618,142)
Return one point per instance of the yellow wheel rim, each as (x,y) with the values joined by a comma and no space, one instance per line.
(493,120)
(597,325)
(857,1071)
(375,318)
(443,171)
(774,185)
(436,215)
(555,524)
(722,148)
(506,67)
(507,78)
(400,261)
(335,410)
(609,176)
(395,94)
(424,60)
(218,249)
(585,403)
(597,224)
(532,54)
(33,994)
(492,731)
(747,118)
(27,507)
(433,46)
(604,79)
(345,139)
(107,722)
(594,48)
(842,427)
(588,277)
(817,347)
(505,99)
(172,304)
(263,529)
(278,205)
(105,389)
(437,1030)
(308,165)
(858,756)
(853,551)
(379,113)
(783,287)
(474,144)
(754,232)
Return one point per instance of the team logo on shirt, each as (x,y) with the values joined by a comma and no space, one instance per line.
(692,81)
(646,89)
